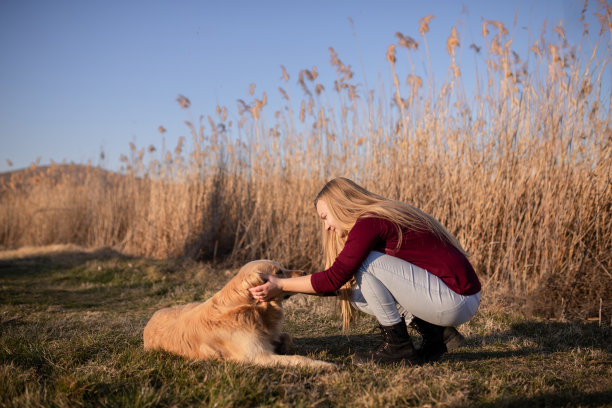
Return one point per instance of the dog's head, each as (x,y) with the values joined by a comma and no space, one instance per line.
(251,273)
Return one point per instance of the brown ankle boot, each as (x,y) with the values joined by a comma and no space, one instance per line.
(452,338)
(437,340)
(395,348)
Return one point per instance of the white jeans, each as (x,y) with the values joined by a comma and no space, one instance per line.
(389,288)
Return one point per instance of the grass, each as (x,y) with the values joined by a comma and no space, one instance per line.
(71,325)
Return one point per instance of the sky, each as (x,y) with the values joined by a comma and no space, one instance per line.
(84,76)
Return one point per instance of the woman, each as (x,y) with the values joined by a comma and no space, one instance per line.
(391,260)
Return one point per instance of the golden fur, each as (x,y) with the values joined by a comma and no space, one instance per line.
(231,325)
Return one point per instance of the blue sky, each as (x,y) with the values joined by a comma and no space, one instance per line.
(78,77)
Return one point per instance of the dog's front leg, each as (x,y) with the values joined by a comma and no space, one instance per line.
(283,344)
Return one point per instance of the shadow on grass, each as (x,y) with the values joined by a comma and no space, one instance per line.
(41,263)
(74,299)
(554,399)
(336,347)
(342,347)
(543,338)
(62,278)
(563,336)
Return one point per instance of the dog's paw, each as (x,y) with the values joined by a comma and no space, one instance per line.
(284,344)
(324,365)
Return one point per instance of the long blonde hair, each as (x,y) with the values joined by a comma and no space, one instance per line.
(348,201)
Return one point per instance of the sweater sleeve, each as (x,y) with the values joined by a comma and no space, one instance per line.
(365,236)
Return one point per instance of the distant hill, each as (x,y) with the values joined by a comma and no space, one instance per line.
(22,178)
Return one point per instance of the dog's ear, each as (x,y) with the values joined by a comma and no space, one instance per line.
(258,278)
(253,279)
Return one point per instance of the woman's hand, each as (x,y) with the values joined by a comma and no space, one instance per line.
(267,291)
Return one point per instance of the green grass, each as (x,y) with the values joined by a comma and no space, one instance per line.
(71,335)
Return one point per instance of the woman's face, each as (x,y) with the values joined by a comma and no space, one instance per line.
(331,224)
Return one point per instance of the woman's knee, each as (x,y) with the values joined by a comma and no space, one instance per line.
(358,301)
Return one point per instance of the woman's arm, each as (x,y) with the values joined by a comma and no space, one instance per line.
(366,235)
(275,286)
(363,238)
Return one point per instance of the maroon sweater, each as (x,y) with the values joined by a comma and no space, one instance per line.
(422,249)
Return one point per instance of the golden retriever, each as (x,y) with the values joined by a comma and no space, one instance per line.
(230,325)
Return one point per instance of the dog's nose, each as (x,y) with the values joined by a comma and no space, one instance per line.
(295,273)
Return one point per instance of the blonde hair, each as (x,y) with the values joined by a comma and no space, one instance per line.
(348,201)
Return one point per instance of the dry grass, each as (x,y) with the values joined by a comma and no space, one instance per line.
(520,171)
(71,326)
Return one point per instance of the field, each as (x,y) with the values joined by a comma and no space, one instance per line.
(518,167)
(71,335)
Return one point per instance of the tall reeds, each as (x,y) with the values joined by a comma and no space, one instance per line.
(519,170)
